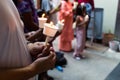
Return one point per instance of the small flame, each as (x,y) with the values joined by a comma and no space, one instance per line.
(62,21)
(43,15)
(51,23)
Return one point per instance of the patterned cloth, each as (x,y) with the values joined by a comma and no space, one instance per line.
(80,37)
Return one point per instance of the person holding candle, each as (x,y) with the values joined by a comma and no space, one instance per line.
(15,59)
(67,35)
(29,16)
(81,22)
(50,8)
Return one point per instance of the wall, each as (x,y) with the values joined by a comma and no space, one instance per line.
(110,11)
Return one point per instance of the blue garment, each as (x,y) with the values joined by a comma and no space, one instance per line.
(46,5)
(88,8)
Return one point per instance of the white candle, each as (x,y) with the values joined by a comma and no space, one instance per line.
(50,29)
(42,20)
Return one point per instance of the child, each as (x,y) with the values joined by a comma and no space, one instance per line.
(81,22)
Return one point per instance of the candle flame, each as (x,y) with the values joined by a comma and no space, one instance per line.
(62,21)
(51,23)
(43,15)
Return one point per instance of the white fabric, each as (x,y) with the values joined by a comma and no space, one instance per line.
(13,47)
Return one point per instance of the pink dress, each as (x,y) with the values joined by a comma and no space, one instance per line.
(67,34)
(80,37)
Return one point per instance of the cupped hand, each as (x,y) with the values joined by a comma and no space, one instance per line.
(35,48)
(45,63)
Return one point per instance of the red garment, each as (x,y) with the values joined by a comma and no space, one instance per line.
(67,34)
(88,1)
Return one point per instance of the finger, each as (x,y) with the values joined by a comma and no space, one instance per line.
(46,48)
(39,56)
(46,51)
(51,55)
(52,49)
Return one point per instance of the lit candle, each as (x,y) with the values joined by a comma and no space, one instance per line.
(43,15)
(49,30)
(42,20)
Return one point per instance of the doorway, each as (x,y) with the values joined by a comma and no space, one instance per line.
(117,27)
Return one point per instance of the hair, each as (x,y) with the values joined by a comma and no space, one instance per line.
(80,9)
(15,2)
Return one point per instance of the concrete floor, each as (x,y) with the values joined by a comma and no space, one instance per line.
(99,63)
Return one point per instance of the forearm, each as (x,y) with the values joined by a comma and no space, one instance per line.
(16,74)
(82,23)
(55,9)
(36,35)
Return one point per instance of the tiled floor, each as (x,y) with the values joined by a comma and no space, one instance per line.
(99,63)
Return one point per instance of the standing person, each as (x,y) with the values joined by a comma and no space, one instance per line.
(67,35)
(15,60)
(28,14)
(29,17)
(81,22)
(89,8)
(49,7)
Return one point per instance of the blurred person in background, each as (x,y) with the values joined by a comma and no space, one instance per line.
(67,34)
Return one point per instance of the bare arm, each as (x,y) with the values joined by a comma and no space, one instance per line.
(40,65)
(38,34)
(82,23)
(55,9)
(79,23)
(16,74)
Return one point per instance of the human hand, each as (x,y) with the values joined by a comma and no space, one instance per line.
(30,34)
(35,48)
(38,49)
(43,64)
(46,51)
